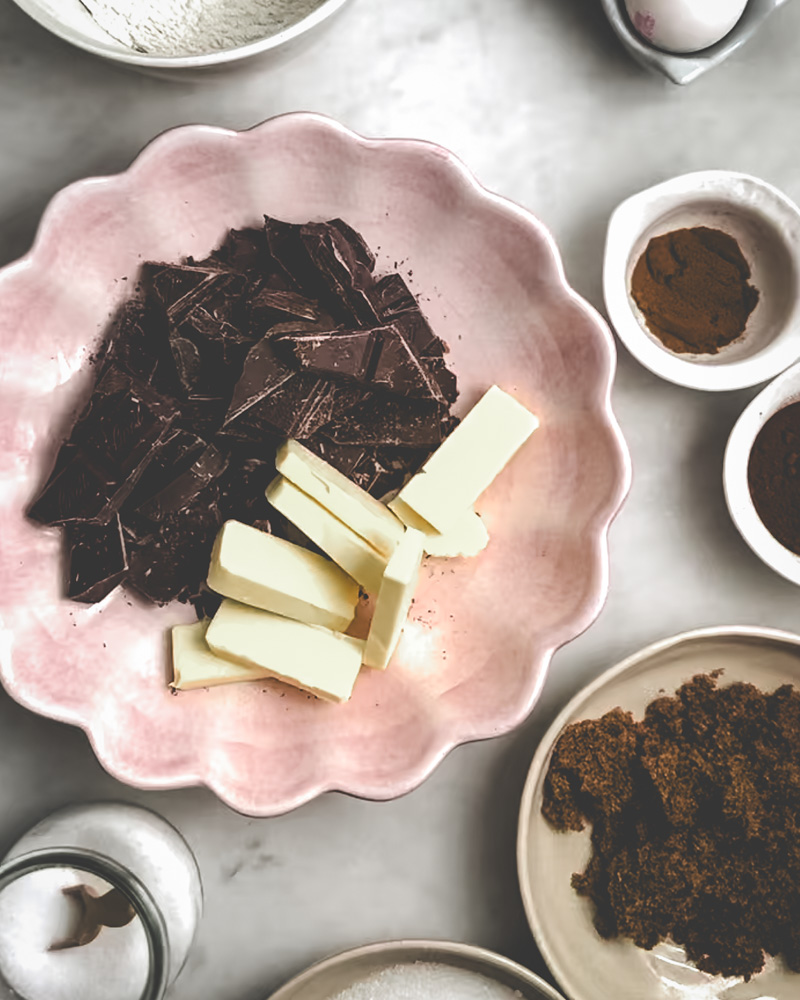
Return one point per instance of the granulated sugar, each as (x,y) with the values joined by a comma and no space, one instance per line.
(427,981)
(193,27)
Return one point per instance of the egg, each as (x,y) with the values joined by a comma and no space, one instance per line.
(684,25)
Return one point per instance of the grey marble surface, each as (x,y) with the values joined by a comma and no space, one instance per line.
(541,101)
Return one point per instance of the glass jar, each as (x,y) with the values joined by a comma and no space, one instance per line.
(123,876)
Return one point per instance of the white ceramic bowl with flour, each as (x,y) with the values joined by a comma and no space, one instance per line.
(179,37)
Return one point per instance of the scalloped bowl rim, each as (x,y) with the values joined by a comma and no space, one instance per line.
(578,623)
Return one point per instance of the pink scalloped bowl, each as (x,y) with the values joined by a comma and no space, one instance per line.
(476,649)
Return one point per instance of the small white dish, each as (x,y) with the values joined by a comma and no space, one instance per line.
(72,22)
(586,966)
(684,68)
(765,223)
(779,393)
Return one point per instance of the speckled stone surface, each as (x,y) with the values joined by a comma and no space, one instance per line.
(543,103)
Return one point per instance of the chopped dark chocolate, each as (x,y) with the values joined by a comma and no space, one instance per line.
(343,354)
(185,487)
(400,423)
(96,560)
(281,331)
(115,438)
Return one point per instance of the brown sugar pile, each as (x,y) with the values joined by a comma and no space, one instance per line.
(695,815)
(692,288)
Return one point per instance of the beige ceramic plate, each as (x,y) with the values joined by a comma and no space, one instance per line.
(587,967)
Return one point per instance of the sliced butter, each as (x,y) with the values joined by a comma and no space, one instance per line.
(466,536)
(270,573)
(349,550)
(195,666)
(367,516)
(394,600)
(468,460)
(315,659)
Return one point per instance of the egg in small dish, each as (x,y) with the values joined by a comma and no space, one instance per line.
(684,25)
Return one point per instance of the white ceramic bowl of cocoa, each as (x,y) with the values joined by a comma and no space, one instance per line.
(276,33)
(781,392)
(766,225)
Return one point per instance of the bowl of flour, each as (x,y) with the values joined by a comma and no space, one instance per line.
(181,35)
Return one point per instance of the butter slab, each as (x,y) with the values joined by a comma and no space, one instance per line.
(270,573)
(195,666)
(348,549)
(469,459)
(394,600)
(467,536)
(315,659)
(367,516)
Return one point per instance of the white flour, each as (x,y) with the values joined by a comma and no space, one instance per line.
(192,27)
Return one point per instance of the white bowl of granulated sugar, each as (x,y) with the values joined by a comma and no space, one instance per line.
(181,36)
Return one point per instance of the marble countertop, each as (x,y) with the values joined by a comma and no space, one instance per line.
(538,97)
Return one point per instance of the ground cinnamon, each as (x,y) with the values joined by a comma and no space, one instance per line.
(773,475)
(695,815)
(692,288)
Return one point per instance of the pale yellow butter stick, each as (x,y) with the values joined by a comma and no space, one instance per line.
(394,600)
(466,536)
(468,460)
(348,549)
(270,573)
(195,666)
(315,659)
(367,516)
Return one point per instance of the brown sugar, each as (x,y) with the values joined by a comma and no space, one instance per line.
(695,815)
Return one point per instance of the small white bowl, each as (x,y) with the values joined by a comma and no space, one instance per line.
(766,225)
(72,22)
(781,392)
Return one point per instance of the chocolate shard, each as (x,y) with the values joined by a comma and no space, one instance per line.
(177,452)
(345,281)
(398,370)
(380,358)
(182,289)
(345,354)
(262,374)
(351,245)
(245,250)
(289,256)
(136,343)
(188,363)
(173,561)
(178,494)
(395,303)
(390,295)
(399,423)
(97,561)
(270,306)
(444,378)
(114,440)
(243,488)
(302,405)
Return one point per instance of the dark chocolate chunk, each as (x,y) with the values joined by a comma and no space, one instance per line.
(445,379)
(352,245)
(184,488)
(404,423)
(416,330)
(115,438)
(173,561)
(303,404)
(398,370)
(345,281)
(96,560)
(390,296)
(176,454)
(245,250)
(263,372)
(136,343)
(271,306)
(182,289)
(188,363)
(344,354)
(243,487)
